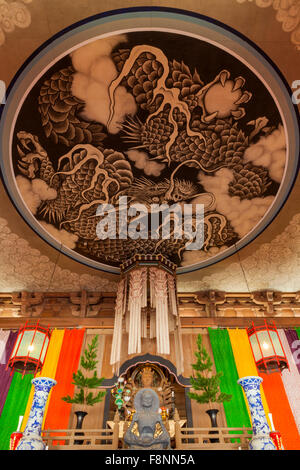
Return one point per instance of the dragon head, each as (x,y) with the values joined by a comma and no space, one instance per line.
(31,153)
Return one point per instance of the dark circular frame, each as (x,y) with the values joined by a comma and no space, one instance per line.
(173,11)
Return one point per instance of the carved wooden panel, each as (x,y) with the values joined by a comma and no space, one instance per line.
(200,309)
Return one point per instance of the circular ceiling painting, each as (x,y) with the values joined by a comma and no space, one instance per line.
(120,109)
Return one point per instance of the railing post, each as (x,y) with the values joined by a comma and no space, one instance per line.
(244,440)
(125,428)
(177,430)
(221,435)
(115,440)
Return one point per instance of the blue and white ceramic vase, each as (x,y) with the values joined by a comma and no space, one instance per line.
(261,432)
(32,439)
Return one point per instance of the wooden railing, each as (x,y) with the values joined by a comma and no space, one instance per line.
(203,439)
(82,439)
(184,439)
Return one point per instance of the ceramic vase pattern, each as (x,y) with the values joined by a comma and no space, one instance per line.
(261,439)
(32,439)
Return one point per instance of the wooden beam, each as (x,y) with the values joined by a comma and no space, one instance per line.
(58,322)
(186,322)
(238,322)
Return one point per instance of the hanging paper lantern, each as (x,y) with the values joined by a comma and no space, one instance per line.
(266,347)
(30,349)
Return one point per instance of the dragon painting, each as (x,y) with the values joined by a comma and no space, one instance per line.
(182,124)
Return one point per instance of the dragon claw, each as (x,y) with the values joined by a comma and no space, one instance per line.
(239,113)
(22,164)
(239,82)
(245,97)
(223,77)
(22,170)
(20,151)
(222,98)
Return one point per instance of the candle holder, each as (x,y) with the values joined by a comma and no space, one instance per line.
(16,436)
(276,438)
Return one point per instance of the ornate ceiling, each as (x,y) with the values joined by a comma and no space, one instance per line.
(159,116)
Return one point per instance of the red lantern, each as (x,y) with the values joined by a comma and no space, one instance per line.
(267,348)
(30,349)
